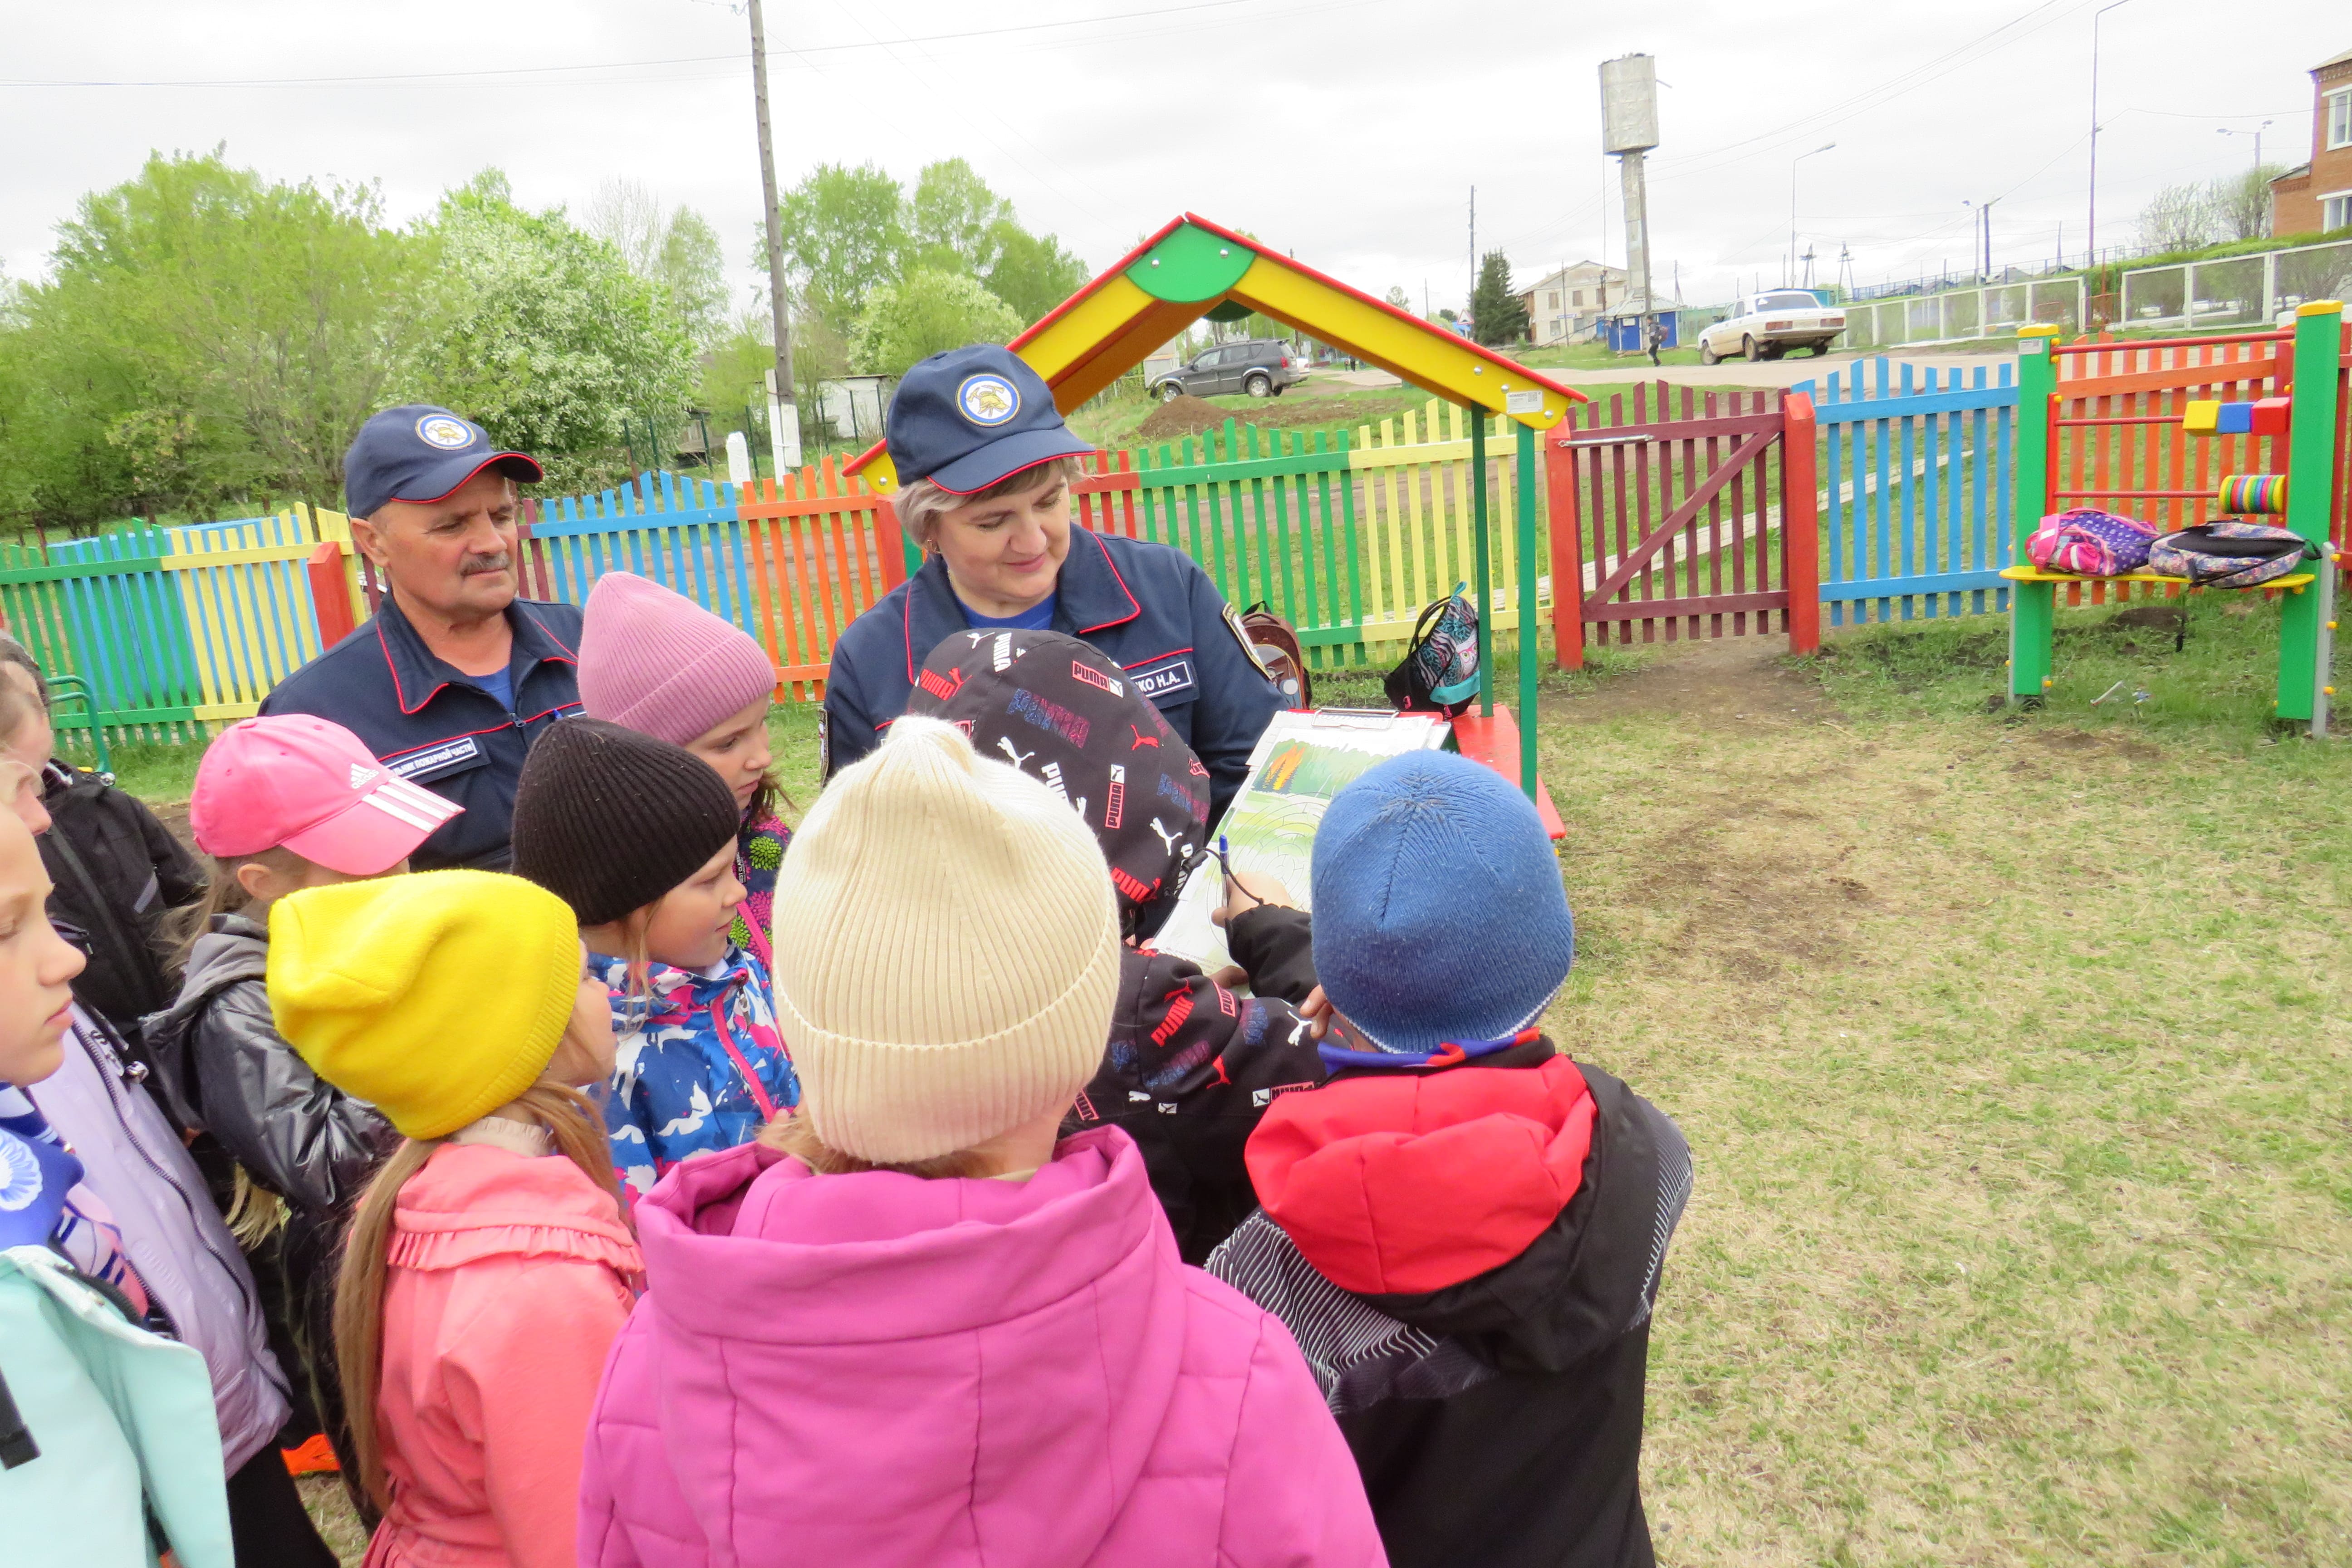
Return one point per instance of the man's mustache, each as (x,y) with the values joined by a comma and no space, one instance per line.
(481,565)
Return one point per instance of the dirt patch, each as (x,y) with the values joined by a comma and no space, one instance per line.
(1751,914)
(2097,743)
(1186,415)
(1727,682)
(1189,416)
(2161,617)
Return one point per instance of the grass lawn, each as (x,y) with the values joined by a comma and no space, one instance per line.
(2013,1051)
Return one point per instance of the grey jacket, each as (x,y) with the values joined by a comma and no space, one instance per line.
(139,1169)
(225,1069)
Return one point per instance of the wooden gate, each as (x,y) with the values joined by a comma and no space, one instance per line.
(1664,515)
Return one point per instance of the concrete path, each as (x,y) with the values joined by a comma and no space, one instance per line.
(1730,372)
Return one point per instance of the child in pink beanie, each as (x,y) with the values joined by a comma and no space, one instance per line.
(654,662)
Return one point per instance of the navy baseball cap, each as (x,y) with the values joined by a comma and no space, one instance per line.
(972,416)
(417,452)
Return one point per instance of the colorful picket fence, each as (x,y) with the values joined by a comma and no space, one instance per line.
(1916,508)
(171,629)
(1349,538)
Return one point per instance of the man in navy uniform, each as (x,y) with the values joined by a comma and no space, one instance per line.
(453,677)
(984,468)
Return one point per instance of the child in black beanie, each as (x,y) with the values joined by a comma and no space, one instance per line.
(638,837)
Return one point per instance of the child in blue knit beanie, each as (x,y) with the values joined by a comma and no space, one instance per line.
(1463,1228)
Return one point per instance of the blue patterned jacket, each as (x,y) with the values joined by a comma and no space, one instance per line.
(699,1064)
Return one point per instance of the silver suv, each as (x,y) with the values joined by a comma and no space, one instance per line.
(1263,367)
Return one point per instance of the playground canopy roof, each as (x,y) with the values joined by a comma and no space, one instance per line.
(1191,267)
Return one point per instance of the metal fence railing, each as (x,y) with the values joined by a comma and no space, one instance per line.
(1964,315)
(2236,290)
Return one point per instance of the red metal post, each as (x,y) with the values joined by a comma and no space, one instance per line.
(1567,558)
(1800,537)
(331,593)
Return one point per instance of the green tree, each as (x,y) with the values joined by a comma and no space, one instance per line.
(693,267)
(205,335)
(844,235)
(677,250)
(1497,315)
(1032,273)
(955,222)
(2242,202)
(926,313)
(541,333)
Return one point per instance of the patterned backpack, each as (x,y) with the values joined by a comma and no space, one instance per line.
(1439,668)
(2230,553)
(2089,542)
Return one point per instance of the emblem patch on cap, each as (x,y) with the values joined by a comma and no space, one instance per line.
(440,430)
(988,399)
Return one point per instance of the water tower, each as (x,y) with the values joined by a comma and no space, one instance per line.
(1629,128)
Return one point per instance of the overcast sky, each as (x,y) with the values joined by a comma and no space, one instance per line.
(1350,131)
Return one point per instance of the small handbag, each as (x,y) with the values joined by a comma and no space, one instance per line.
(2089,542)
(1439,672)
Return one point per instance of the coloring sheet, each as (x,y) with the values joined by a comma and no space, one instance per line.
(1301,762)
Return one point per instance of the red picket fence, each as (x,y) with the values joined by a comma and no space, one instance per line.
(1662,519)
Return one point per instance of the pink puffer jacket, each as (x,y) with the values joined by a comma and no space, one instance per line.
(878,1370)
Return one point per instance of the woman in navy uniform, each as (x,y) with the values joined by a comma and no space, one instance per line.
(984,468)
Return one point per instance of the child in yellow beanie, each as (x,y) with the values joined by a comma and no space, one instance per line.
(484,1276)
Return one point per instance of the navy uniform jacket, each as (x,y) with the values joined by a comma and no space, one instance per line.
(430,724)
(1149,609)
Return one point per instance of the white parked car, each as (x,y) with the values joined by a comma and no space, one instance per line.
(1768,325)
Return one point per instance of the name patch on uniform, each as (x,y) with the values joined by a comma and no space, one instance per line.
(1165,681)
(434,760)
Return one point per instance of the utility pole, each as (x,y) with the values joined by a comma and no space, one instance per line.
(1473,253)
(783,416)
(2091,244)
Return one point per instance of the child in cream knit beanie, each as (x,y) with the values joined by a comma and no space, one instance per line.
(946,951)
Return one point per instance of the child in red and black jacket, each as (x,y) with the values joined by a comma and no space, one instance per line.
(1463,1228)
(1190,1066)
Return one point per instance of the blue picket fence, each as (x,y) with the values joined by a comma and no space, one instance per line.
(1916,466)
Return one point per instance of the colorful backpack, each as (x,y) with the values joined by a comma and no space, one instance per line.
(1440,669)
(2230,553)
(2089,542)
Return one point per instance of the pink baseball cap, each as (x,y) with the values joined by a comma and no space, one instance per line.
(310,786)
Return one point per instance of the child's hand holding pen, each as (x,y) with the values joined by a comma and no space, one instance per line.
(1244,891)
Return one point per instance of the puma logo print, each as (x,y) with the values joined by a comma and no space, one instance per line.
(1167,840)
(1005,742)
(1141,739)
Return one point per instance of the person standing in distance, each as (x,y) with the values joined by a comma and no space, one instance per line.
(985,466)
(454,677)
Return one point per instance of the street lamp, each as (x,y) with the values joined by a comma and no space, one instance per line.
(1792,204)
(2257,134)
(2092,254)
